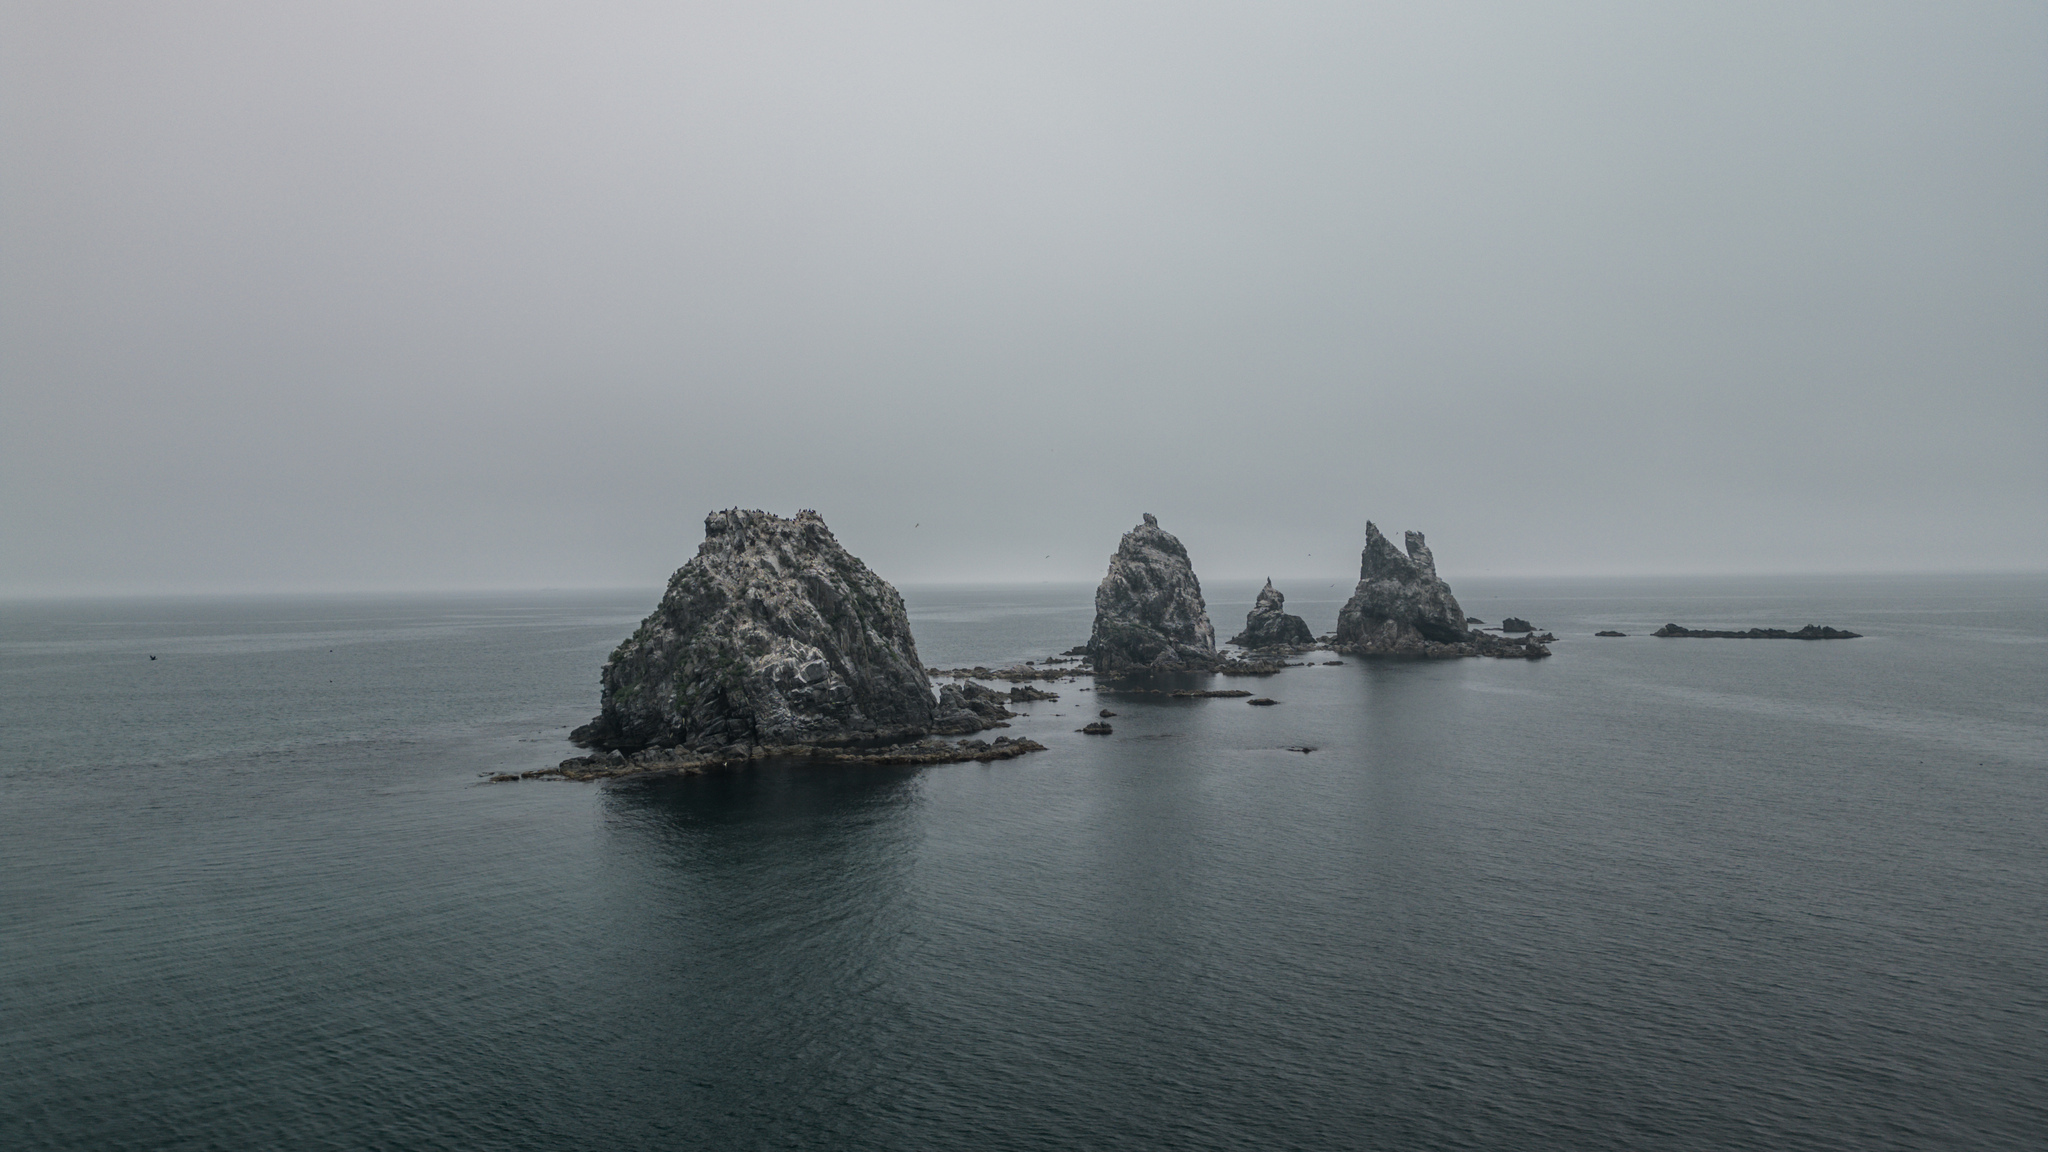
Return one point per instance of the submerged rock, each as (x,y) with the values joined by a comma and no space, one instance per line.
(1148,610)
(1401,607)
(1267,625)
(772,634)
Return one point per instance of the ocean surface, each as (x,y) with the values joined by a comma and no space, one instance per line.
(1646,894)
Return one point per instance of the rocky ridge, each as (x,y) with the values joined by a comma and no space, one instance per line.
(1810,632)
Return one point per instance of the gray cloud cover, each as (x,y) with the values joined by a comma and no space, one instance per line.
(461,295)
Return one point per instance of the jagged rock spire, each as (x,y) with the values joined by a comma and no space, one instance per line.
(1401,606)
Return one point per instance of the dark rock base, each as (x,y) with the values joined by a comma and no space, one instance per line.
(676,762)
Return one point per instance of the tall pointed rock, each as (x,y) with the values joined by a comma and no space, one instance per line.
(1148,609)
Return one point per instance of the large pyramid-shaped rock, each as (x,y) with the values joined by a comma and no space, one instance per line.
(772,634)
(1148,609)
(1268,625)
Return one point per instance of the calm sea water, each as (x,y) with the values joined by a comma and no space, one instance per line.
(1645,894)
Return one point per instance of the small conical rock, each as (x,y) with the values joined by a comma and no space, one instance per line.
(1267,625)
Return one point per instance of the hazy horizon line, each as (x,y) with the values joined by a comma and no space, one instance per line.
(1280,581)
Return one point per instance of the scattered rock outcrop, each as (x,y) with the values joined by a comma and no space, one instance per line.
(1402,608)
(970,708)
(1149,613)
(1810,632)
(773,634)
(1516,624)
(1610,633)
(1268,625)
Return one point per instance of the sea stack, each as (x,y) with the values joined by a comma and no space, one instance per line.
(1403,608)
(771,634)
(1268,626)
(1148,610)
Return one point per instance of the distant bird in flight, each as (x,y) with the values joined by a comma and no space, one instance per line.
(152,657)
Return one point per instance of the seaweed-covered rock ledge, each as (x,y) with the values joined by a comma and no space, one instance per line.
(1402,608)
(773,636)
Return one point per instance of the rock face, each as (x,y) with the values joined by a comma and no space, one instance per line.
(1402,608)
(772,634)
(1148,609)
(1267,626)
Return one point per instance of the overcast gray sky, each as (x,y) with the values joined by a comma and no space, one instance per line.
(497,295)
